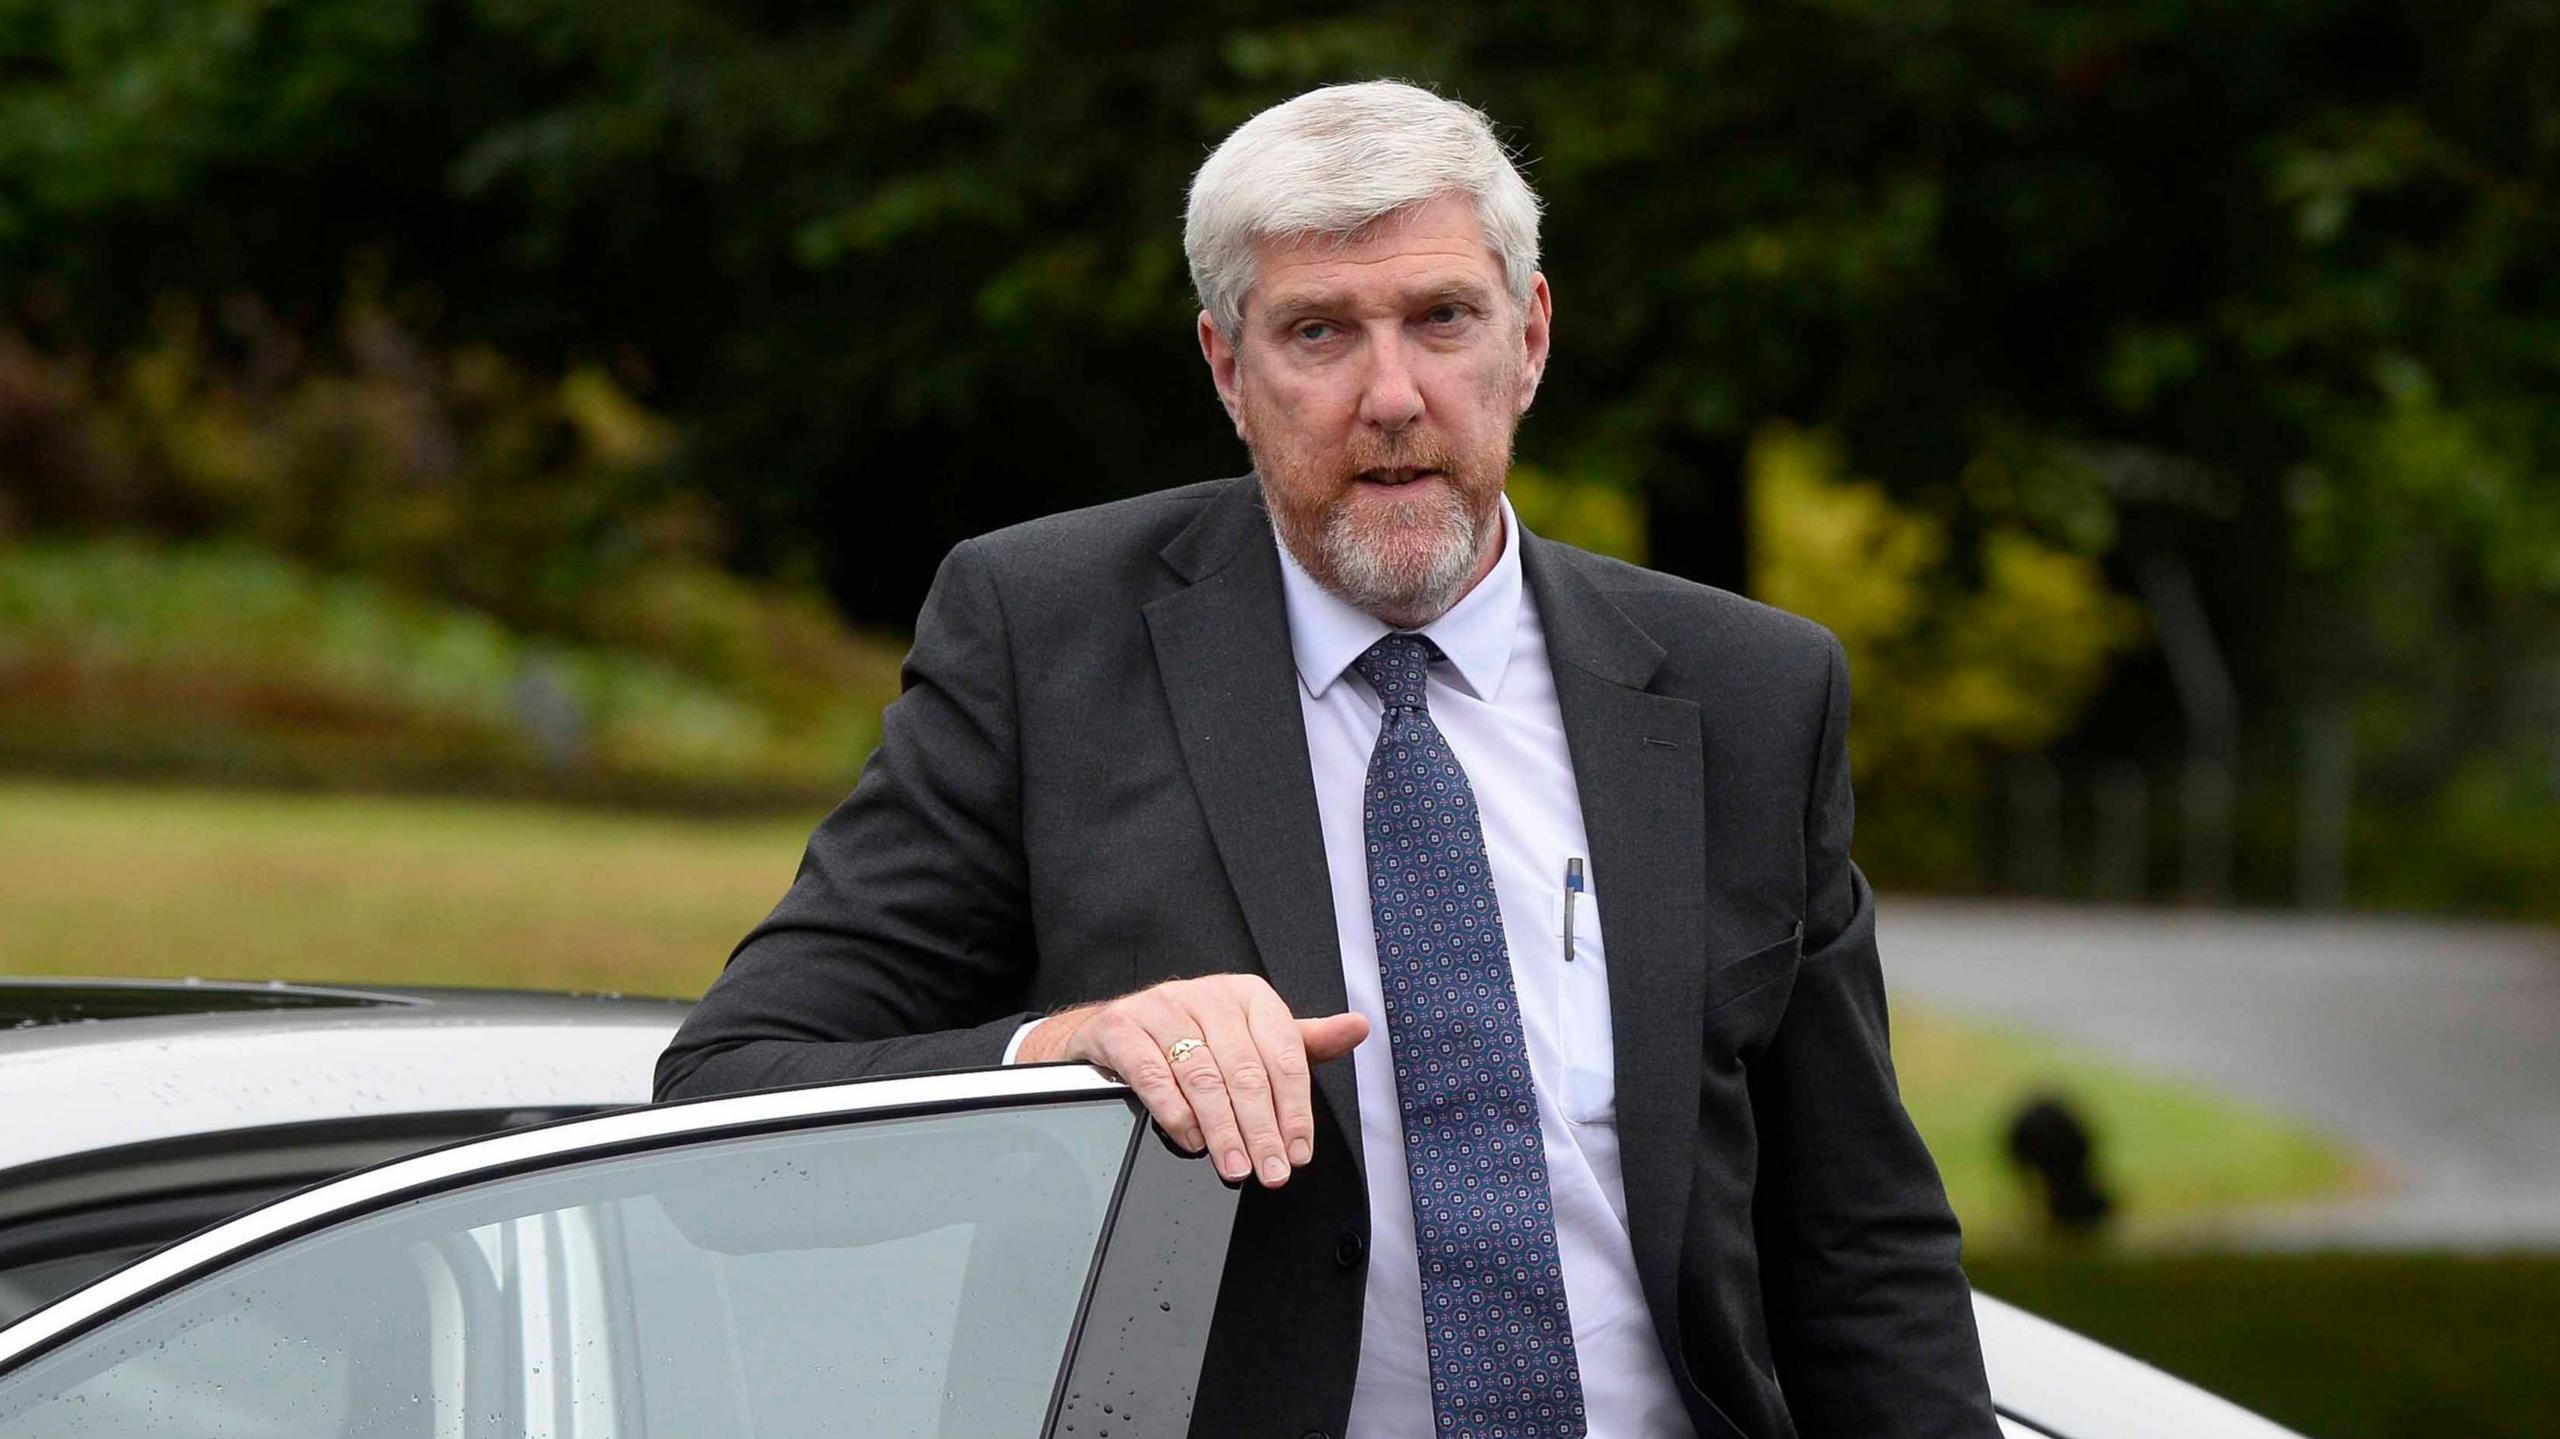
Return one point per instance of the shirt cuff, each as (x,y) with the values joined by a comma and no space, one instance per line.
(1013,1046)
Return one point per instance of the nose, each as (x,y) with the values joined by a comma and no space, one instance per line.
(1390,400)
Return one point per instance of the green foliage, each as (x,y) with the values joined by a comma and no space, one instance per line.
(2265,286)
(140,102)
(495,517)
(1967,667)
(840,240)
(454,472)
(2486,842)
(1604,519)
(225,661)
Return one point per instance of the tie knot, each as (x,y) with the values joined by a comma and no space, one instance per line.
(1395,667)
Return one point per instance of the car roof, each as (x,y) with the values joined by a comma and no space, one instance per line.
(181,1060)
(34,1003)
(49,1001)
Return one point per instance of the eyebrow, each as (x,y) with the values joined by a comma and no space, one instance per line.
(1292,303)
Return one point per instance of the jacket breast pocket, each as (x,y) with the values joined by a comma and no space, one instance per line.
(1744,995)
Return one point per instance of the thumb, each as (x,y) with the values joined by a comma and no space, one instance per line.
(1332,1036)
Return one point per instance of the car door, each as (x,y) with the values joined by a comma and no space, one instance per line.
(1011,1253)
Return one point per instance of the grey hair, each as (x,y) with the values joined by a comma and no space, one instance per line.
(1334,162)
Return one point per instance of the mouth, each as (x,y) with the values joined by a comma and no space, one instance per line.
(1396,477)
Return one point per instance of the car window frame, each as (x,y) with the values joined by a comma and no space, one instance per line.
(1142,1320)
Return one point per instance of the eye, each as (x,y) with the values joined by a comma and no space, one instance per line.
(1446,314)
(1314,332)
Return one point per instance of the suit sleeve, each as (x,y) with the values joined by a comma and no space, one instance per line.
(1870,1317)
(903,944)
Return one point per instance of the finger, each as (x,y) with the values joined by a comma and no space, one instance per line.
(1275,1033)
(1119,1040)
(1333,1036)
(1204,1084)
(1247,1074)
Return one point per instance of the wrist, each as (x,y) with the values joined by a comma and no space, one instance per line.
(1051,1038)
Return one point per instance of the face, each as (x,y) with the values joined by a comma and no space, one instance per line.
(1377,384)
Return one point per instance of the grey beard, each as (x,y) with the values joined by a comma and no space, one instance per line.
(1353,565)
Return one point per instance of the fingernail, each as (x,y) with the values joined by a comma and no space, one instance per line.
(1233,1165)
(1300,1151)
(1274,1170)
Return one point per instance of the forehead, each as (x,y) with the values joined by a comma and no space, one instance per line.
(1429,249)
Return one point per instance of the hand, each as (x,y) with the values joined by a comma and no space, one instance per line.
(1241,1093)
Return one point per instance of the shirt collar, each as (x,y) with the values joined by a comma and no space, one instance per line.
(1327,632)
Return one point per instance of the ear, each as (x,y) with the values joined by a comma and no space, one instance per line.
(1222,369)
(1536,331)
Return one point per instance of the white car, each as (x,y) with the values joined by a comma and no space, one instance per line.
(974,1255)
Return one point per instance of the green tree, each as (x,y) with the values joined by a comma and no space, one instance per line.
(2263,286)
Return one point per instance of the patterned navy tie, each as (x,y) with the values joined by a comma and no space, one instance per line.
(1493,1304)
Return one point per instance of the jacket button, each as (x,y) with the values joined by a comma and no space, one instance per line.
(1346,1252)
(1316,1434)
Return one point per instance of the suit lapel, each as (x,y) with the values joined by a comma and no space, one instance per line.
(1639,765)
(1222,651)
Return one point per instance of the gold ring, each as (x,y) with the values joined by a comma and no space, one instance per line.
(1182,1049)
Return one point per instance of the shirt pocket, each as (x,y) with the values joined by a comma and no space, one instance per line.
(1584,1031)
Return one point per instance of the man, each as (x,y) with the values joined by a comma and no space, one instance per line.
(1486,902)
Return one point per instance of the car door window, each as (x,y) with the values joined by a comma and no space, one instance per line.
(894,1277)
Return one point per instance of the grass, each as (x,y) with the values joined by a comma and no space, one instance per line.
(2339,1346)
(146,881)
(2174,1155)
(150,881)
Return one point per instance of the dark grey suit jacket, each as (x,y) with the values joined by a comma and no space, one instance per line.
(1097,779)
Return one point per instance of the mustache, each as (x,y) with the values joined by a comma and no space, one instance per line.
(1415,454)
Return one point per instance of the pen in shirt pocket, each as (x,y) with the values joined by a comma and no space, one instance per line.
(1572,887)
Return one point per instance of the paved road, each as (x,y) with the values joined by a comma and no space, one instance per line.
(2433,1047)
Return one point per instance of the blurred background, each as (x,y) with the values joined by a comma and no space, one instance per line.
(465,466)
